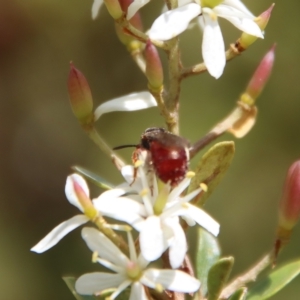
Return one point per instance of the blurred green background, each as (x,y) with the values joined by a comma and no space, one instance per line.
(40,139)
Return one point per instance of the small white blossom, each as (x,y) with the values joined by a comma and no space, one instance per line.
(56,234)
(130,271)
(174,22)
(156,214)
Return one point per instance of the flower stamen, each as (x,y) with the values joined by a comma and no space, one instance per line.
(204,187)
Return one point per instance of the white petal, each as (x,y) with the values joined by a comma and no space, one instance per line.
(189,220)
(131,102)
(52,238)
(134,7)
(246,25)
(126,188)
(178,245)
(184,2)
(138,292)
(142,262)
(113,193)
(238,5)
(122,209)
(121,204)
(105,248)
(200,217)
(70,191)
(172,280)
(152,239)
(92,283)
(225,10)
(213,50)
(173,22)
(128,174)
(95,8)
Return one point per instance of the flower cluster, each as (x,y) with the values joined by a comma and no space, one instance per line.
(206,13)
(153,212)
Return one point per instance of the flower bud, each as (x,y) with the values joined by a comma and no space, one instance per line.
(82,197)
(289,209)
(247,39)
(259,78)
(154,70)
(114,8)
(80,94)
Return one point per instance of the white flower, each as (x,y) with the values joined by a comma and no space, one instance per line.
(128,271)
(52,238)
(156,214)
(131,102)
(96,7)
(174,22)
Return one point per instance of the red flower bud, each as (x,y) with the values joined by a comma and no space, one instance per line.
(83,199)
(154,70)
(80,94)
(289,209)
(259,78)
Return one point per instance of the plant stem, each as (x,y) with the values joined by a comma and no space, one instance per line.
(137,56)
(93,134)
(139,35)
(115,238)
(249,276)
(172,96)
(239,114)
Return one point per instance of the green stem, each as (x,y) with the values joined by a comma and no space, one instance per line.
(93,134)
(172,97)
(139,35)
(138,57)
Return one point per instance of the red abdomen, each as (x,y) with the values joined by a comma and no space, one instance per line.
(170,163)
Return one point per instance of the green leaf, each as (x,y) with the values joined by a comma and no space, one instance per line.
(208,253)
(70,282)
(94,178)
(218,276)
(273,283)
(240,294)
(211,169)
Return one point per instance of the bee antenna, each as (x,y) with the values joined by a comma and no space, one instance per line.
(124,146)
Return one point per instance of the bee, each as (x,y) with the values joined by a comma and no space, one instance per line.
(168,154)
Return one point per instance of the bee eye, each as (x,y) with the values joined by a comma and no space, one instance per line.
(145,143)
